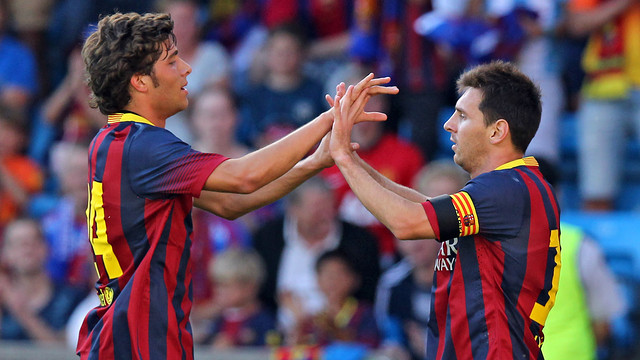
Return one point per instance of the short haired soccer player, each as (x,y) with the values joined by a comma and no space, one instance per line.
(497,270)
(143,181)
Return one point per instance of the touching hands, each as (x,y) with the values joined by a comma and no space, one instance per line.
(348,110)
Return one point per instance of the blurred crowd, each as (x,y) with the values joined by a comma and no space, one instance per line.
(315,269)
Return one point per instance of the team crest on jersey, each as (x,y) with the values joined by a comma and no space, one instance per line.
(469,220)
(105,295)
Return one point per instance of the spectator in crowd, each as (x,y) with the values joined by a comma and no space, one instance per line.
(32,306)
(18,68)
(417,66)
(590,298)
(290,246)
(380,149)
(69,22)
(64,222)
(540,59)
(209,60)
(20,176)
(239,319)
(213,123)
(523,32)
(610,98)
(343,319)
(328,26)
(284,98)
(30,20)
(65,114)
(588,302)
(403,300)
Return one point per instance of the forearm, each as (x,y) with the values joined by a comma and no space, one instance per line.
(58,101)
(261,167)
(11,186)
(233,205)
(405,218)
(583,22)
(37,329)
(406,192)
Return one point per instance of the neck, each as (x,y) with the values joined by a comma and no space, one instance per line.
(283,82)
(147,113)
(494,160)
(31,283)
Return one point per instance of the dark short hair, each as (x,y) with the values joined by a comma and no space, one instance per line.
(123,45)
(293,29)
(506,94)
(336,254)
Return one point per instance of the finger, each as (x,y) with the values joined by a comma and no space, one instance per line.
(379,81)
(355,146)
(371,83)
(329,99)
(372,116)
(362,84)
(358,105)
(341,89)
(347,101)
(377,90)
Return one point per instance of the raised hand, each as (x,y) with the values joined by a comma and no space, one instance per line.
(362,91)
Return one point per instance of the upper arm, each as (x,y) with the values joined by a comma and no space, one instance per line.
(232,175)
(159,164)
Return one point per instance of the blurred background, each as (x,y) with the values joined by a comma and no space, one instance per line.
(315,276)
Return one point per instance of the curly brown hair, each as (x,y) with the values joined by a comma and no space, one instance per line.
(123,45)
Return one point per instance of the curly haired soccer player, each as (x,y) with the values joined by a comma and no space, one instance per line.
(143,181)
(497,270)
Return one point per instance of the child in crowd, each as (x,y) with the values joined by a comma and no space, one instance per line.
(344,318)
(239,319)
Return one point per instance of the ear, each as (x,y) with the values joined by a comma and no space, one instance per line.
(140,82)
(499,131)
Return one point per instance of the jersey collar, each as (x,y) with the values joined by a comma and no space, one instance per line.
(527,161)
(127,116)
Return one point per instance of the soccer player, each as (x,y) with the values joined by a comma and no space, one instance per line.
(497,270)
(142,181)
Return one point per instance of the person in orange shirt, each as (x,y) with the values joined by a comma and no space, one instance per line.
(20,176)
(610,94)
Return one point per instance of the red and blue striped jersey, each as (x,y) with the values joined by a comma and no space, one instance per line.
(142,180)
(497,270)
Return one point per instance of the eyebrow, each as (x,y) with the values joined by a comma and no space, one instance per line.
(175,53)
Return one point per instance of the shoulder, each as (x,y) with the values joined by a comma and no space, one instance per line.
(396,274)
(14,46)
(497,183)
(153,140)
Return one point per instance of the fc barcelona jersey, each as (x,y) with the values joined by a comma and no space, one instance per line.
(497,270)
(142,180)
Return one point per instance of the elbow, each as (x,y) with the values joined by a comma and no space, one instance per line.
(227,210)
(247,183)
(412,229)
(403,234)
(402,230)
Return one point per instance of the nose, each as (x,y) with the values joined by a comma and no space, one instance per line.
(448,125)
(187,67)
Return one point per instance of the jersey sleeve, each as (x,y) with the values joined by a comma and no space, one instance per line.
(160,164)
(491,205)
